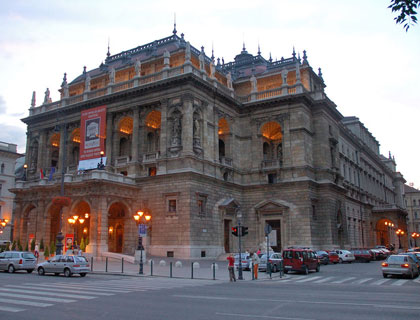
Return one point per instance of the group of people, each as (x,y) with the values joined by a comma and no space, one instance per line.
(255,260)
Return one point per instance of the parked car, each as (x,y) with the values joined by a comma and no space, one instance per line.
(301,260)
(323,257)
(66,264)
(275,260)
(12,261)
(333,257)
(345,256)
(399,265)
(362,255)
(246,261)
(414,257)
(378,254)
(415,249)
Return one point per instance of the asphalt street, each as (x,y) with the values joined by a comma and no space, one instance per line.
(355,291)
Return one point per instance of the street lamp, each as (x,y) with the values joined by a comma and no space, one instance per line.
(399,233)
(415,235)
(73,220)
(101,165)
(142,220)
(3,224)
(25,172)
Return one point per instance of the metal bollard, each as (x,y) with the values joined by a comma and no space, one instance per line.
(214,270)
(192,270)
(269,269)
(170,269)
(91,264)
(122,265)
(281,269)
(252,271)
(106,264)
(151,267)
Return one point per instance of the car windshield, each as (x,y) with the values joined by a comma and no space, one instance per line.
(81,259)
(320,252)
(28,255)
(397,259)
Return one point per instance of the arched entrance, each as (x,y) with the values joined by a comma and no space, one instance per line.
(54,216)
(27,224)
(385,230)
(117,214)
(81,229)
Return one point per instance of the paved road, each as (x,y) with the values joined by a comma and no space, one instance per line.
(337,292)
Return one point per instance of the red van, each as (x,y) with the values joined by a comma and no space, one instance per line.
(300,260)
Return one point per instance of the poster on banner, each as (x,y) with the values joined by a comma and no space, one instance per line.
(69,242)
(92,137)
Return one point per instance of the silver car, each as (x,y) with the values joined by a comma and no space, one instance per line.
(399,265)
(12,261)
(275,259)
(245,261)
(66,264)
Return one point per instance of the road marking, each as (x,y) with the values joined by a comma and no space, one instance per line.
(59,290)
(54,294)
(399,283)
(324,280)
(362,280)
(255,316)
(75,286)
(25,296)
(387,306)
(26,303)
(308,279)
(379,282)
(344,280)
(11,309)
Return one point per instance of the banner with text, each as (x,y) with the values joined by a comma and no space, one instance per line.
(92,137)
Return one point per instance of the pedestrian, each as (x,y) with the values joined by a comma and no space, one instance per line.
(231,267)
(255,261)
(36,251)
(259,251)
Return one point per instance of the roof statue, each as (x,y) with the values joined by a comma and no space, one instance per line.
(47,98)
(33,101)
(137,67)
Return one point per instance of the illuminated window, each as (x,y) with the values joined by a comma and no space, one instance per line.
(153,119)
(172,205)
(152,171)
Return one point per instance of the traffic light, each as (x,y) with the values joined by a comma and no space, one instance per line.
(235,231)
(244,231)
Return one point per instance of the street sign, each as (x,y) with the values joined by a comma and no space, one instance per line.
(267,229)
(142,230)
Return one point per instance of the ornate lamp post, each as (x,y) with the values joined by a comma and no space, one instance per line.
(399,233)
(73,220)
(101,165)
(25,172)
(142,220)
(415,235)
(3,224)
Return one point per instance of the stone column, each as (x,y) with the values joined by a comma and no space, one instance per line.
(62,149)
(115,145)
(163,143)
(42,151)
(102,227)
(135,143)
(108,142)
(93,227)
(39,227)
(187,125)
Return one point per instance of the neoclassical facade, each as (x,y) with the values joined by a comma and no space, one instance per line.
(199,144)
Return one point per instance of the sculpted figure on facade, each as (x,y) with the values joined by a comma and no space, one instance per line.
(47,98)
(137,67)
(34,156)
(201,59)
(87,83)
(112,75)
(212,70)
(188,52)
(196,133)
(176,130)
(33,101)
(253,84)
(229,81)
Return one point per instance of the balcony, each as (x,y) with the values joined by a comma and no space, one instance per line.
(228,162)
(122,161)
(151,157)
(271,164)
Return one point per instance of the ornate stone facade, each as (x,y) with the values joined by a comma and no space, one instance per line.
(198,145)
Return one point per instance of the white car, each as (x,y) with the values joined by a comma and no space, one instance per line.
(345,256)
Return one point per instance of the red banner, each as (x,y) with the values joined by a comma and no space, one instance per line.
(92,133)
(69,239)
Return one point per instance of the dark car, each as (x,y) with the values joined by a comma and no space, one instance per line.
(362,255)
(301,260)
(323,257)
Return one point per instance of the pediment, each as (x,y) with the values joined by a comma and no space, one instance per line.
(271,206)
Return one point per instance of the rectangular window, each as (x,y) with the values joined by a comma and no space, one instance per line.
(272,178)
(152,171)
(313,212)
(200,204)
(172,205)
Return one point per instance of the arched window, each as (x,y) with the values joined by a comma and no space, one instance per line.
(266,151)
(221,148)
(54,158)
(272,137)
(75,155)
(151,142)
(124,147)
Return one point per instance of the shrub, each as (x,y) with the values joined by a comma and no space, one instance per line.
(27,247)
(82,244)
(46,252)
(41,245)
(53,248)
(14,245)
(33,245)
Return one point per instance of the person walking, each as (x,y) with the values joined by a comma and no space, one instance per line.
(231,268)
(36,251)
(255,261)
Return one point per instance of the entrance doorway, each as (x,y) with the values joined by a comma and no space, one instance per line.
(119,239)
(276,226)
(226,237)
(117,215)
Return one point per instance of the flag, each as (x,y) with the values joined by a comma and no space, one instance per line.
(51,173)
(41,174)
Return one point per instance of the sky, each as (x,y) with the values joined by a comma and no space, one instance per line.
(369,64)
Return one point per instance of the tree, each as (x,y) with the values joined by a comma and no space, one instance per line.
(52,248)
(14,245)
(26,247)
(46,252)
(82,244)
(407,12)
(33,245)
(41,245)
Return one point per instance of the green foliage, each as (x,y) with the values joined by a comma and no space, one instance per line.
(82,245)
(14,245)
(46,252)
(87,241)
(406,10)
(33,245)
(41,245)
(53,248)
(19,246)
(27,247)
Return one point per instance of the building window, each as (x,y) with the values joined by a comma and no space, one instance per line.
(1,186)
(2,168)
(414,202)
(172,205)
(272,178)
(152,171)
(314,212)
(415,215)
(201,203)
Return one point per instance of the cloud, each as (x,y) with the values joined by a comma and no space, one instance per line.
(13,134)
(2,105)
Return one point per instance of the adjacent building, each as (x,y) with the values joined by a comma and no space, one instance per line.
(412,201)
(202,145)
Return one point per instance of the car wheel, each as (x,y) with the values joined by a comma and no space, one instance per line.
(385,275)
(41,271)
(67,273)
(83,275)
(340,261)
(274,269)
(11,269)
(411,276)
(306,270)
(317,268)
(335,262)
(29,270)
